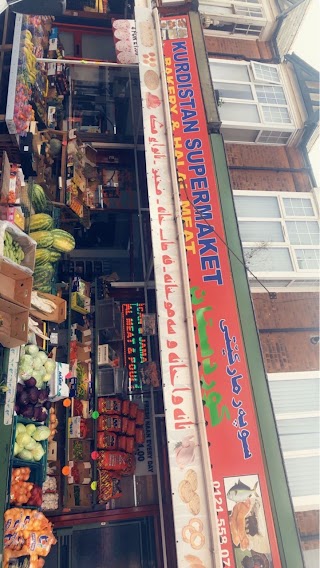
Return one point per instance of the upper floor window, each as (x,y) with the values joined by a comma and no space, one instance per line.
(244,17)
(280,236)
(252,102)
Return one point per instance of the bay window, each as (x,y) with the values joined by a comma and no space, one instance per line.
(280,235)
(252,102)
(295,398)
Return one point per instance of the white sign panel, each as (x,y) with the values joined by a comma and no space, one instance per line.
(192,514)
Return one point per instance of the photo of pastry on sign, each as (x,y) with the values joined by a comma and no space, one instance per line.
(188,492)
(247,522)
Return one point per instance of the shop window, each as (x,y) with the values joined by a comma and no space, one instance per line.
(85,44)
(250,95)
(280,234)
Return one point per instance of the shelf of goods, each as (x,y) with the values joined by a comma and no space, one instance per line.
(104,427)
(24,414)
(28,82)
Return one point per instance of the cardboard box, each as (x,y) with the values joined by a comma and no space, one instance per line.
(15,284)
(84,353)
(74,427)
(59,315)
(78,496)
(80,473)
(80,303)
(106,355)
(83,335)
(79,450)
(81,286)
(14,324)
(27,244)
(52,450)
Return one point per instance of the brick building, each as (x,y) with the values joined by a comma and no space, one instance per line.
(272,182)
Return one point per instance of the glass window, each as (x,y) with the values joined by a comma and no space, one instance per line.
(263,72)
(273,137)
(239,134)
(304,475)
(264,259)
(299,207)
(271,94)
(229,72)
(308,259)
(303,232)
(252,12)
(263,231)
(274,114)
(257,206)
(234,91)
(236,112)
(295,395)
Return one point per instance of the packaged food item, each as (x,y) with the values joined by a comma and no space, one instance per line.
(125,407)
(122,462)
(140,435)
(107,440)
(130,444)
(133,410)
(109,423)
(140,417)
(131,429)
(108,487)
(125,422)
(40,543)
(109,405)
(122,443)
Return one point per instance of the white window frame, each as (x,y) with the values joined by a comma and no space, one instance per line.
(262,126)
(254,23)
(303,502)
(298,273)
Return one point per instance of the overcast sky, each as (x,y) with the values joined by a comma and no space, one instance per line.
(306,45)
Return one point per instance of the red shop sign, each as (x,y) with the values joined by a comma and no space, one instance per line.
(245,520)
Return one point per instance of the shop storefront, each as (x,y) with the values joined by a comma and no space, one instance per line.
(138,378)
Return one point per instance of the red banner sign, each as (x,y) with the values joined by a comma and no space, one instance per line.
(246,528)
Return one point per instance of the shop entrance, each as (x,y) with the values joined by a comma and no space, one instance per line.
(120,544)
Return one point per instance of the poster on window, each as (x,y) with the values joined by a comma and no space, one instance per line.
(125,40)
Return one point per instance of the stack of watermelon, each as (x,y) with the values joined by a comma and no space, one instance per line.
(50,242)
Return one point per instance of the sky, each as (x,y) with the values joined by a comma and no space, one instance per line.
(306,46)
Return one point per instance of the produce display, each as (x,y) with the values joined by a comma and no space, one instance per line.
(28,440)
(12,249)
(53,424)
(27,533)
(41,221)
(32,80)
(35,364)
(50,495)
(22,491)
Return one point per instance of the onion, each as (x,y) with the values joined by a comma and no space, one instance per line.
(30,382)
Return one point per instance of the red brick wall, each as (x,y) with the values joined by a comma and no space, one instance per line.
(241,47)
(267,157)
(291,350)
(308,525)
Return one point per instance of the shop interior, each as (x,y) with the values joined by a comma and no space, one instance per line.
(104,474)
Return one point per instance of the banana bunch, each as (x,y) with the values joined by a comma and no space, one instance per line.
(30,58)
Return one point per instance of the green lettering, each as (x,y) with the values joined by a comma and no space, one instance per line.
(206,350)
(194,298)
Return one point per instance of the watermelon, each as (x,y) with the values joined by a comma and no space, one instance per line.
(38,198)
(54,255)
(42,256)
(44,239)
(41,222)
(42,277)
(62,241)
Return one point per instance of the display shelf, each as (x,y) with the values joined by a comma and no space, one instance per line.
(5,444)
